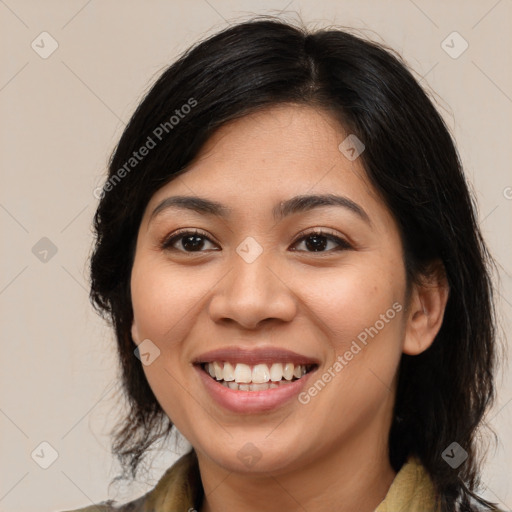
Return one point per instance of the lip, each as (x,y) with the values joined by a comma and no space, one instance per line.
(252,401)
(262,355)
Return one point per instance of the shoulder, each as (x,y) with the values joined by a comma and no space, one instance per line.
(178,489)
(136,505)
(93,508)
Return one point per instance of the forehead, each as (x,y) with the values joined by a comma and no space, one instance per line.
(279,136)
(254,163)
(287,146)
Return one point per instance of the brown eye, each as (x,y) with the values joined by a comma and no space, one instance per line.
(317,241)
(186,241)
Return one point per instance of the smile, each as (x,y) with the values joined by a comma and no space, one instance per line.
(254,380)
(259,377)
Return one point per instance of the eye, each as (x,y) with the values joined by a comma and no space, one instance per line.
(318,240)
(189,240)
(195,241)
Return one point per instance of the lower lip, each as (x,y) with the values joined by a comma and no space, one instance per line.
(252,401)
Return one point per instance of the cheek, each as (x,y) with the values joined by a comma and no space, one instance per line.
(361,316)
(352,298)
(360,310)
(164,297)
(163,302)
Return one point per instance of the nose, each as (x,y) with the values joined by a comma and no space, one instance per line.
(252,294)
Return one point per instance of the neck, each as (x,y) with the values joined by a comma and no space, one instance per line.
(353,477)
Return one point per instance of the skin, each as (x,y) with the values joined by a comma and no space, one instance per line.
(328,454)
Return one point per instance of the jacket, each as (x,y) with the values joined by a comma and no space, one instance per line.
(180,489)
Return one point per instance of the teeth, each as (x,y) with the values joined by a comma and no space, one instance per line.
(260,374)
(240,375)
(219,375)
(276,372)
(251,387)
(288,371)
(299,371)
(229,372)
(243,373)
(259,387)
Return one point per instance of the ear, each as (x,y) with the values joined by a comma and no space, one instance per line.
(135,333)
(427,304)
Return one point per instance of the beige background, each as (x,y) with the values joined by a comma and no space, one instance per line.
(60,118)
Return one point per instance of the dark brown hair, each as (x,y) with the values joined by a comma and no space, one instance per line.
(411,161)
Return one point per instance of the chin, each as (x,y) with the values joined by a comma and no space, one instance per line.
(247,457)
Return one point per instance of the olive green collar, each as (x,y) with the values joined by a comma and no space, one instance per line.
(180,488)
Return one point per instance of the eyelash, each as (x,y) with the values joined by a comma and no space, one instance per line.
(168,241)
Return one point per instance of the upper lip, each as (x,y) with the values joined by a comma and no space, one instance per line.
(262,355)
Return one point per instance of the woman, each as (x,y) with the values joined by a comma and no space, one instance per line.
(289,254)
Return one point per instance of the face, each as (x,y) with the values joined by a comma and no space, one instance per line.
(274,287)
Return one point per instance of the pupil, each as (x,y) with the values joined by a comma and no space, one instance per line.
(318,244)
(195,242)
(314,242)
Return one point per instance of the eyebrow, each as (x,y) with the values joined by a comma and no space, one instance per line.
(297,204)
